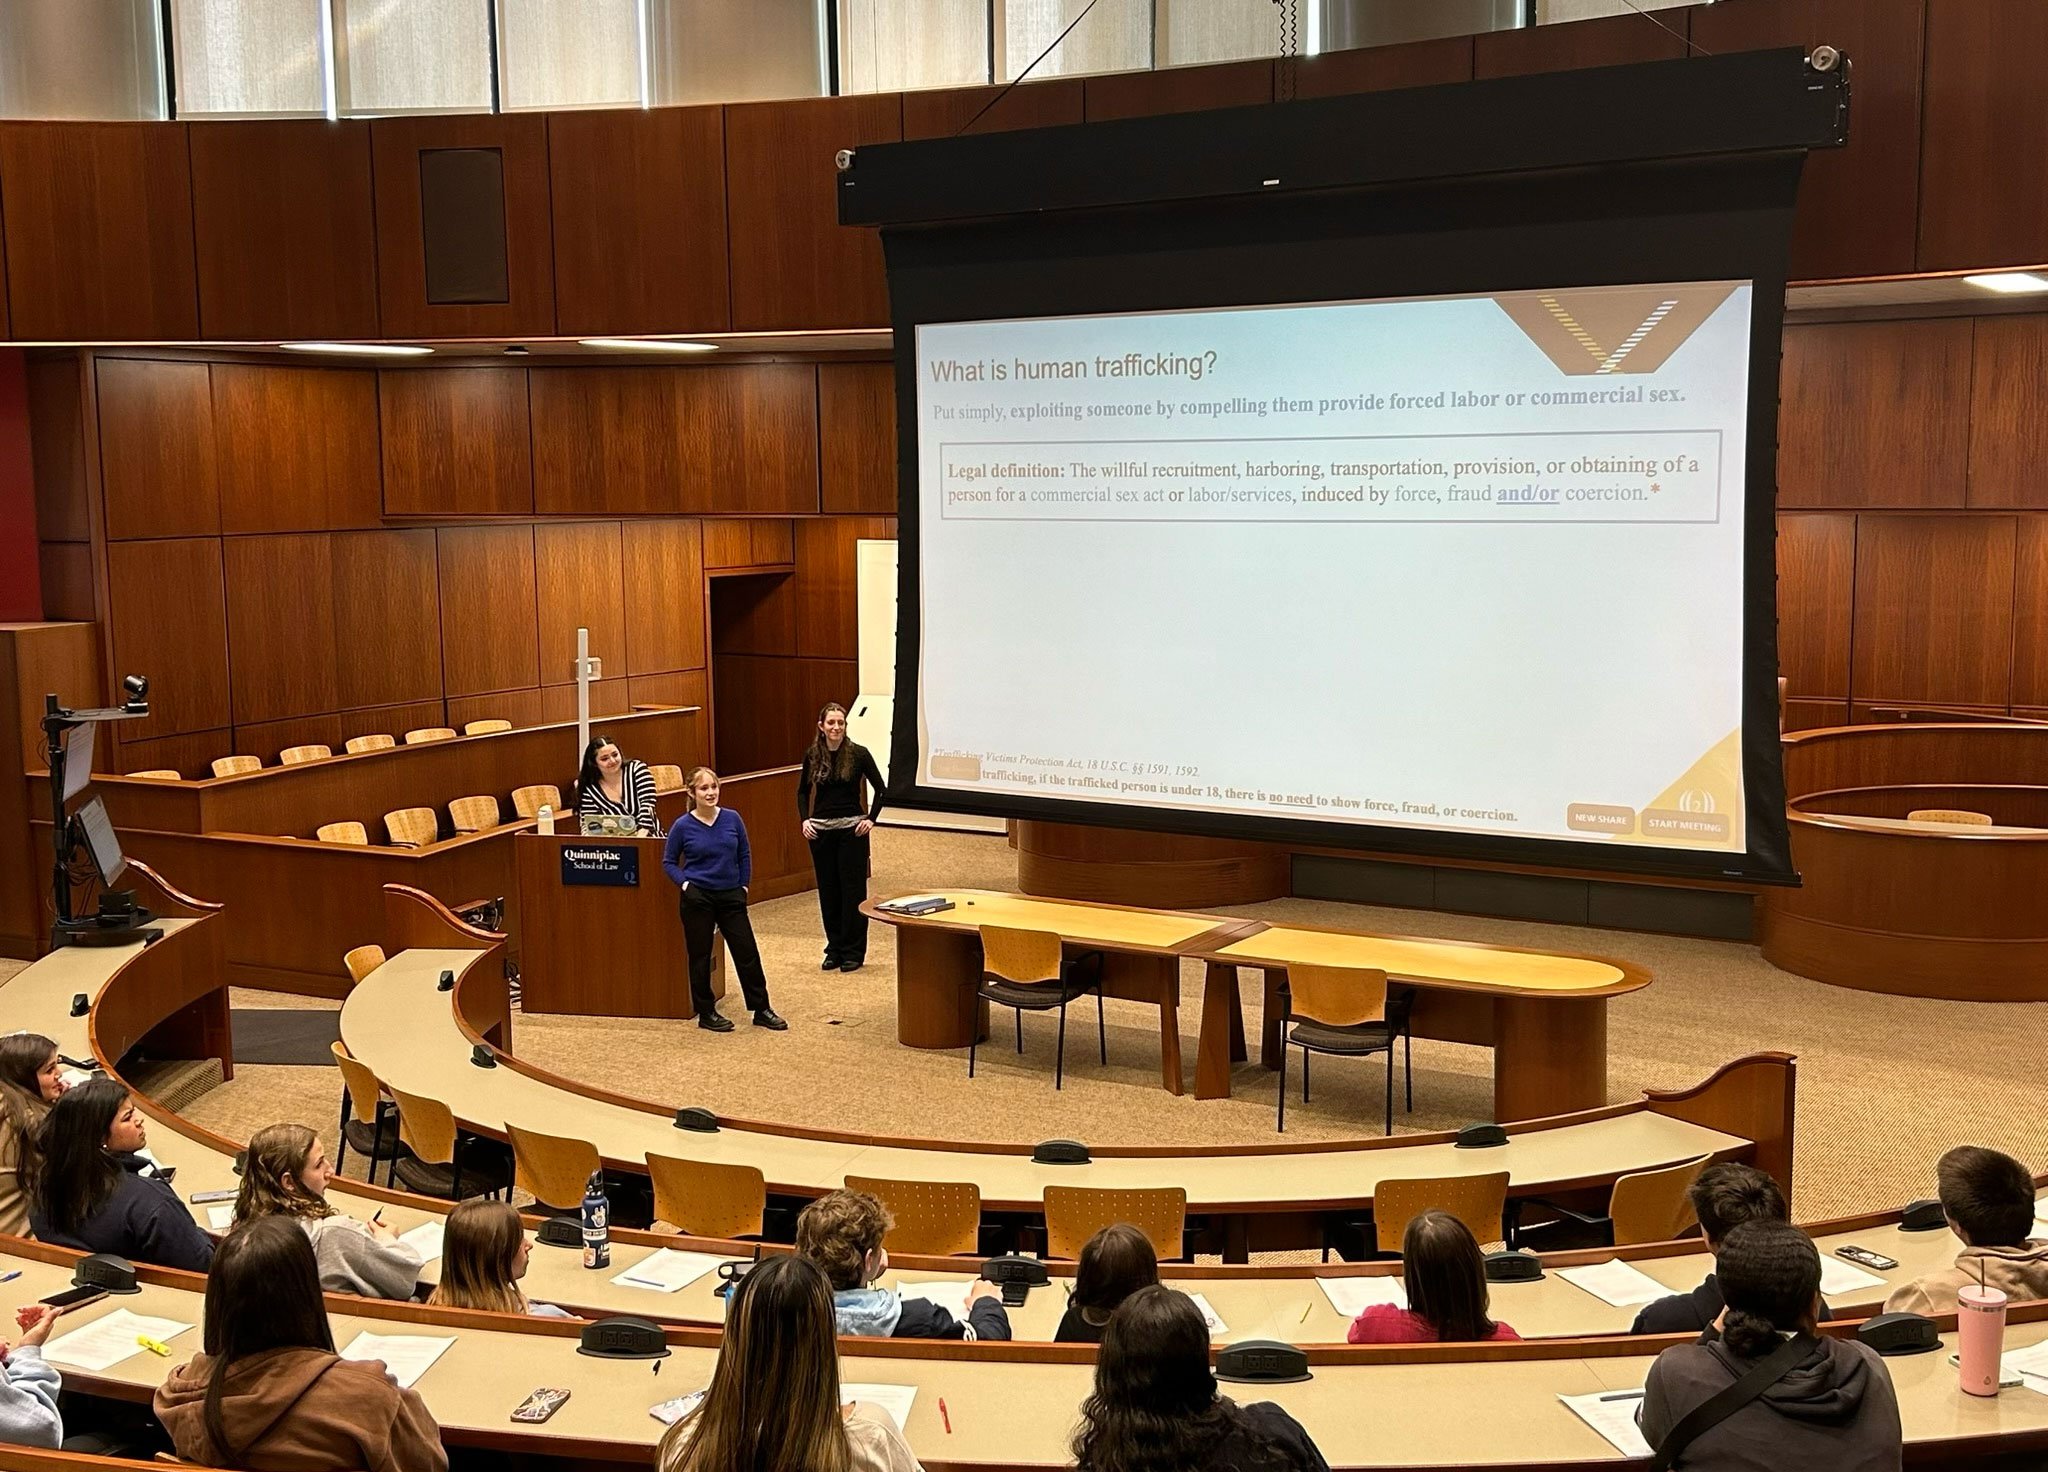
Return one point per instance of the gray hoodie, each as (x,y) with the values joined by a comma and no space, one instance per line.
(353,1261)
(1835,1410)
(28,1400)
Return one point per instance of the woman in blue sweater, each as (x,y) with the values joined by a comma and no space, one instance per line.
(710,862)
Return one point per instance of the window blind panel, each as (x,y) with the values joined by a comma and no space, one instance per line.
(568,53)
(736,50)
(1116,37)
(894,45)
(60,59)
(1194,31)
(394,56)
(262,58)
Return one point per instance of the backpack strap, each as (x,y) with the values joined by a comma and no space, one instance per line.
(1731,1398)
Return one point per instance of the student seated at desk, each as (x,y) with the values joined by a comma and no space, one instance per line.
(773,1401)
(484,1253)
(1446,1281)
(28,1387)
(611,786)
(31,1080)
(285,1174)
(1988,1198)
(1723,1197)
(1116,1262)
(268,1393)
(1832,1403)
(842,1233)
(93,1192)
(1155,1403)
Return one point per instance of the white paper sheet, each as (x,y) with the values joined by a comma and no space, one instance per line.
(2041,1208)
(1352,1296)
(665,1270)
(220,1218)
(426,1239)
(73,1077)
(1840,1276)
(948,1295)
(1613,1414)
(406,1356)
(2031,1364)
(1209,1315)
(110,1339)
(1615,1282)
(894,1399)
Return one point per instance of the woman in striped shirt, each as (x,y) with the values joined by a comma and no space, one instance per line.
(612,786)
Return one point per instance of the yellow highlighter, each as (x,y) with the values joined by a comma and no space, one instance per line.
(153,1346)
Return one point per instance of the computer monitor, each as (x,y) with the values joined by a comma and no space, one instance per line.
(78,742)
(99,837)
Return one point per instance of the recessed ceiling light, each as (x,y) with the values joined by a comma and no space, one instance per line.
(647,344)
(359,349)
(2010,281)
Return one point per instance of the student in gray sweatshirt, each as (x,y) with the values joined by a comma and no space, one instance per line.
(286,1174)
(28,1387)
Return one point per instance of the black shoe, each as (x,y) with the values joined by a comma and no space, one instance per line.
(714,1022)
(854,965)
(830,963)
(766,1018)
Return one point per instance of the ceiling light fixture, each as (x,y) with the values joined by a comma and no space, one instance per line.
(647,344)
(2012,282)
(359,349)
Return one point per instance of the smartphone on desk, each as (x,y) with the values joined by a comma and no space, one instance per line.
(1876,1261)
(72,1298)
(538,1406)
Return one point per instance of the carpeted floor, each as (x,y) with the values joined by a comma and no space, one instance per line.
(1885,1084)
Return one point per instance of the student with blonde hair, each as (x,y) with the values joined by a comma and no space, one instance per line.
(708,859)
(484,1253)
(773,1402)
(285,1173)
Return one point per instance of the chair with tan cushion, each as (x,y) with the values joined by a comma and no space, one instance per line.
(412,827)
(234,766)
(485,728)
(363,1097)
(554,1169)
(1026,970)
(1073,1214)
(1962,817)
(473,814)
(700,1199)
(528,801)
(350,832)
(444,1158)
(1477,1201)
(362,961)
(1346,1011)
(356,745)
(932,1218)
(291,756)
(667,777)
(429,733)
(159,774)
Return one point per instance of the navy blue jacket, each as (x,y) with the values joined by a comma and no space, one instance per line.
(143,1221)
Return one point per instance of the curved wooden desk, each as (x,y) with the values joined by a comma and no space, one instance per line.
(1544,1015)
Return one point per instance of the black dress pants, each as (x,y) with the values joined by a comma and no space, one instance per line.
(724,910)
(840,859)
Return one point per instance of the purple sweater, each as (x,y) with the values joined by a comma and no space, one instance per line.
(711,856)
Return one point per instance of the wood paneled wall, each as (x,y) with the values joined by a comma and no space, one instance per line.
(704,219)
(1913,526)
(304,554)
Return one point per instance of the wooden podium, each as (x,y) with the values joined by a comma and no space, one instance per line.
(598,930)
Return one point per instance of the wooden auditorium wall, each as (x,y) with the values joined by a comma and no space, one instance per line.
(303,554)
(1913,518)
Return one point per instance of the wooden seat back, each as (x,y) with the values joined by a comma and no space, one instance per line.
(932,1218)
(1336,996)
(528,801)
(667,777)
(356,745)
(1477,1201)
(553,1168)
(473,814)
(1962,817)
(485,728)
(362,961)
(429,733)
(1073,1214)
(234,766)
(364,1090)
(1654,1205)
(427,1127)
(412,827)
(1025,957)
(350,832)
(703,1199)
(292,756)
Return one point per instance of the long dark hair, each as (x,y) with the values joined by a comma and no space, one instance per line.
(821,762)
(773,1401)
(590,777)
(1445,1276)
(1769,1273)
(77,1178)
(1155,1406)
(1116,1262)
(262,1293)
(23,1055)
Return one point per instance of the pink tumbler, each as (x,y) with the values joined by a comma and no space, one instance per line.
(1980,1315)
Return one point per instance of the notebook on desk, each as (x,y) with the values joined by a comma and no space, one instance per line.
(924,904)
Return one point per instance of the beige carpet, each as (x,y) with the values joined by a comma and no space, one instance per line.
(1885,1084)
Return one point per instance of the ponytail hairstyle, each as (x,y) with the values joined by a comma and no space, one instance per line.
(1446,1277)
(76,1177)
(480,1257)
(23,1057)
(821,762)
(1769,1275)
(275,1152)
(262,1293)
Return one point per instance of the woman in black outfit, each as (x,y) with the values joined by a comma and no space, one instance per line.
(93,1193)
(1155,1403)
(837,825)
(609,785)
(1116,1262)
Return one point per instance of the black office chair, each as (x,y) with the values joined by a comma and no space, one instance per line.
(1026,970)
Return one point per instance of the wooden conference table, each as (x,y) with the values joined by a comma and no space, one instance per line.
(1543,1014)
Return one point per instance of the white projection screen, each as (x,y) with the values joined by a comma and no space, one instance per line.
(1464,564)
